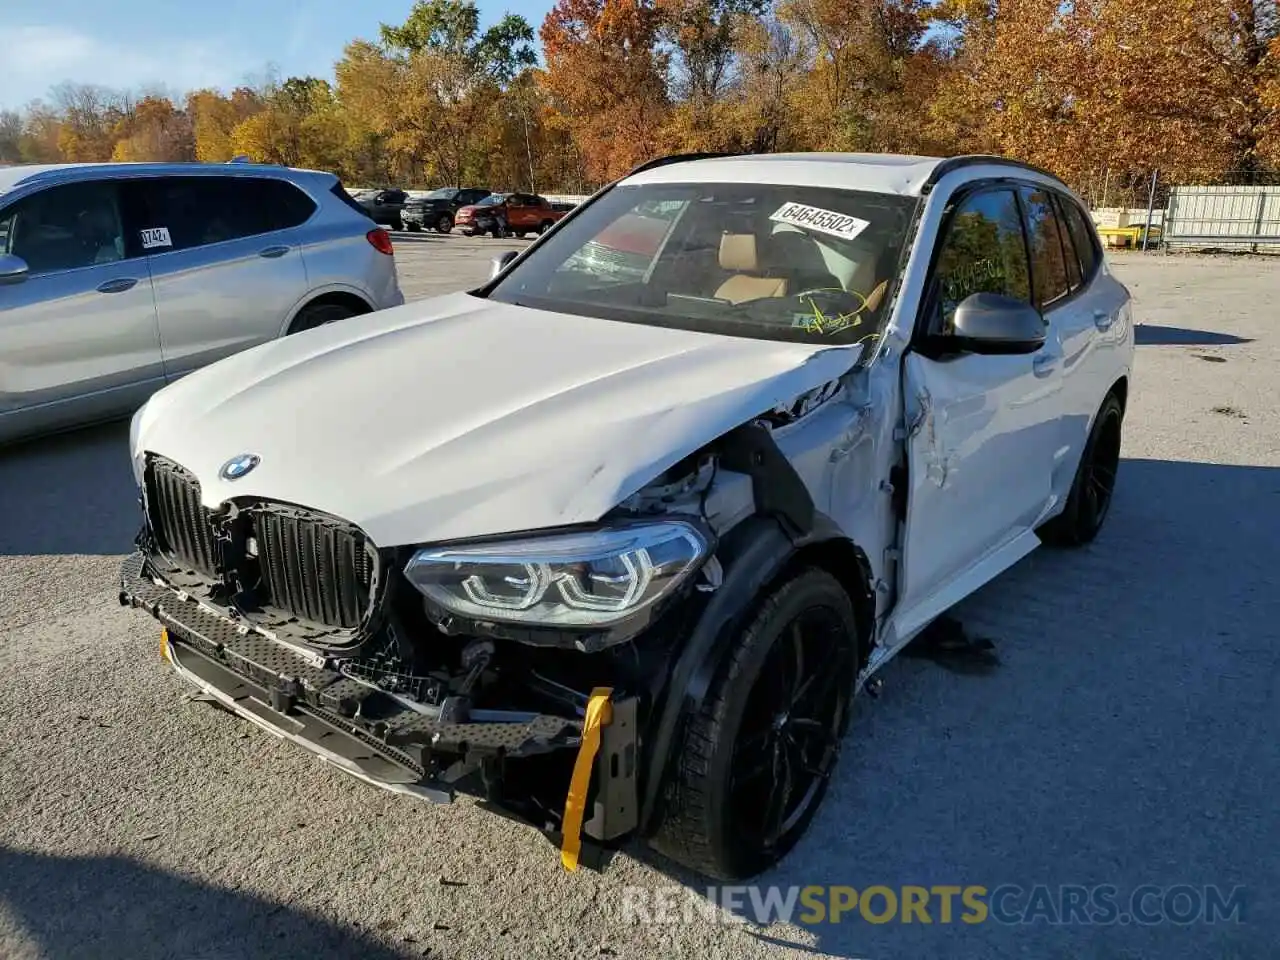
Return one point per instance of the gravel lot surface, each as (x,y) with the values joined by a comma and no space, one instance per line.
(1129,735)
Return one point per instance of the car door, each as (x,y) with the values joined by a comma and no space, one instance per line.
(78,334)
(982,427)
(1069,308)
(226,263)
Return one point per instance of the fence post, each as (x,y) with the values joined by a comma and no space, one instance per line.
(1151,209)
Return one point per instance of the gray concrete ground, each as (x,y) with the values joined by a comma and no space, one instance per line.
(1128,737)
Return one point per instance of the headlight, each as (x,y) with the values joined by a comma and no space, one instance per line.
(591,579)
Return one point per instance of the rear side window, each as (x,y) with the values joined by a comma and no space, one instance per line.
(339,191)
(199,211)
(1048,263)
(984,251)
(289,206)
(1082,236)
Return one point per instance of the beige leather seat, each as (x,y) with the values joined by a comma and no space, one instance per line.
(738,253)
(876,295)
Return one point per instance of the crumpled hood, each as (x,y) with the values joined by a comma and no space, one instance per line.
(461,417)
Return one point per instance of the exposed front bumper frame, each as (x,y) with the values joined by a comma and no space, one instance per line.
(298,695)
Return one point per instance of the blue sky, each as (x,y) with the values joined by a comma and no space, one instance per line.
(180,45)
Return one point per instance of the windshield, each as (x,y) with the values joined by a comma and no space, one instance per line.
(489,201)
(441,195)
(754,260)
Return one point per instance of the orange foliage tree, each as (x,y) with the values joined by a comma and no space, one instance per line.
(605,73)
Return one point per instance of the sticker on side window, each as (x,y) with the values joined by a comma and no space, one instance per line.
(154,237)
(823,221)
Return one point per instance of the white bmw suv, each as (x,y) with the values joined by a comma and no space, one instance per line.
(617,549)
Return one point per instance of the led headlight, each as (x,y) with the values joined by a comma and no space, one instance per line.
(591,579)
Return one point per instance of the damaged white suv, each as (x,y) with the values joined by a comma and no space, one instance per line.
(614,540)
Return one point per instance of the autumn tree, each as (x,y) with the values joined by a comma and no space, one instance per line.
(872,70)
(153,129)
(10,136)
(88,116)
(214,117)
(607,76)
(429,90)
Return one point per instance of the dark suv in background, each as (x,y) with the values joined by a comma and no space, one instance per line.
(385,207)
(439,207)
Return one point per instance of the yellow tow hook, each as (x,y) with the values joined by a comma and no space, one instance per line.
(599,714)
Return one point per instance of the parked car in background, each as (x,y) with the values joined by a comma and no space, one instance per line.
(517,214)
(118,278)
(439,207)
(625,557)
(385,206)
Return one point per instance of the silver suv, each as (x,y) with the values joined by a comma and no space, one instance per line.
(118,278)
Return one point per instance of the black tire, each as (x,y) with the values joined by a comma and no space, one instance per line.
(1094,485)
(708,822)
(413,225)
(544,226)
(318,314)
(397,224)
(444,224)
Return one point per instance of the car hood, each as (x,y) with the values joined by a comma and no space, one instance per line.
(461,417)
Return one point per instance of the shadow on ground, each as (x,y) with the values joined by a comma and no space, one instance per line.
(69,494)
(1120,741)
(1149,335)
(115,908)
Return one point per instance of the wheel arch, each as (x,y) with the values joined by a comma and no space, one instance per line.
(338,296)
(1121,390)
(757,555)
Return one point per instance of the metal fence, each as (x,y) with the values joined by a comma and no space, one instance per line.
(1235,211)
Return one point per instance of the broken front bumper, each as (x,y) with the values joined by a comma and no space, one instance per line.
(298,695)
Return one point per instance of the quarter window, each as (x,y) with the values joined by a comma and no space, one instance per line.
(1082,234)
(65,228)
(984,251)
(1044,235)
(1074,277)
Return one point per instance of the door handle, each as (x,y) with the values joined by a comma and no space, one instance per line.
(272,252)
(119,285)
(1043,366)
(1103,320)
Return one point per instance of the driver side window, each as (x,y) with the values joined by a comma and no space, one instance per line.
(984,251)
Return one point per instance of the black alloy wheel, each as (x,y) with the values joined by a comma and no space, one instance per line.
(790,734)
(757,757)
(1095,482)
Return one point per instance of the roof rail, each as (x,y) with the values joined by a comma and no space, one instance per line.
(976,159)
(678,158)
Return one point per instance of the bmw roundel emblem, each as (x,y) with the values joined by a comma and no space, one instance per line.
(237,467)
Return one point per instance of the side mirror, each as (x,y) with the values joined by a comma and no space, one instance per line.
(991,323)
(500,263)
(12,269)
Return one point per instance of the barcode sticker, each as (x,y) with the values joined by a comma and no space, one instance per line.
(823,221)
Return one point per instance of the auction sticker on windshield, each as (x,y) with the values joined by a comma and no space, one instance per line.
(824,221)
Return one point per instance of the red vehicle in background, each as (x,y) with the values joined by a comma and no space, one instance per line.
(506,214)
